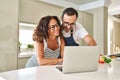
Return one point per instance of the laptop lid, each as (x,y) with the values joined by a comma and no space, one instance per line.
(80,58)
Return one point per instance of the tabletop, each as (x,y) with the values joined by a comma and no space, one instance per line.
(105,71)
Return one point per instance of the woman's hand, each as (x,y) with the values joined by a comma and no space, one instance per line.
(60,61)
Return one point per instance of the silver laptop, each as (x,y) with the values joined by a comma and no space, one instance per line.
(80,59)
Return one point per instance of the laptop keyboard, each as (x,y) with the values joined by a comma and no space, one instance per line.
(59,68)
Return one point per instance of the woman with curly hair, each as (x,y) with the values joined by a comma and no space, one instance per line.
(49,44)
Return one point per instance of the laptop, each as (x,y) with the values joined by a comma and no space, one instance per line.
(80,59)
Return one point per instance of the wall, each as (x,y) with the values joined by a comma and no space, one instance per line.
(31,11)
(100,27)
(87,22)
(8,34)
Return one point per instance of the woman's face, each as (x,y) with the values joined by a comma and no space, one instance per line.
(53,28)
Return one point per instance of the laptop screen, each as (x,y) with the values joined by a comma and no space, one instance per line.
(80,58)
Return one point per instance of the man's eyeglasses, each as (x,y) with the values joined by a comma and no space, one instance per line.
(65,24)
(54,26)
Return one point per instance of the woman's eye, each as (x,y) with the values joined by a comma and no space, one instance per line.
(53,26)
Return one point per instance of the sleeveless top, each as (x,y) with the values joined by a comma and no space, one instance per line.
(49,53)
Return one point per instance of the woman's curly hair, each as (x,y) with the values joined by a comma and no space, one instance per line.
(41,31)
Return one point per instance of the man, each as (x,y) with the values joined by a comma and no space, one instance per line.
(72,31)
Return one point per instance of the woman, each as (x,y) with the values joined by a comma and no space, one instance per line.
(49,43)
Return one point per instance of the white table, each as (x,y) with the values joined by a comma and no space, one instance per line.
(105,72)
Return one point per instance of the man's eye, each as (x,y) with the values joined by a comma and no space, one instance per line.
(66,22)
(72,24)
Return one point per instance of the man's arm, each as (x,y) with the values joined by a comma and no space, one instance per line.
(89,40)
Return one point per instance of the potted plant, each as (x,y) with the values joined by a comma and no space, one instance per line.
(30,47)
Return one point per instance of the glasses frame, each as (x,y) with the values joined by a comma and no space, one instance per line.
(65,24)
(54,26)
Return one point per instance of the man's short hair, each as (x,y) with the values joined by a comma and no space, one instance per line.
(70,11)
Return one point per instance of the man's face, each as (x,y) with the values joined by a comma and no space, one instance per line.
(68,22)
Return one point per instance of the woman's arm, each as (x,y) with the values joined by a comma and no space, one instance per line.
(40,56)
(62,47)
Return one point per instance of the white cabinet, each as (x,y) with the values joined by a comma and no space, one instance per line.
(8,34)
(22,62)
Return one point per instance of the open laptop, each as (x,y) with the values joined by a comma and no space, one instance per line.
(80,59)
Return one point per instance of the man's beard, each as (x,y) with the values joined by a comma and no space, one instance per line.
(66,29)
